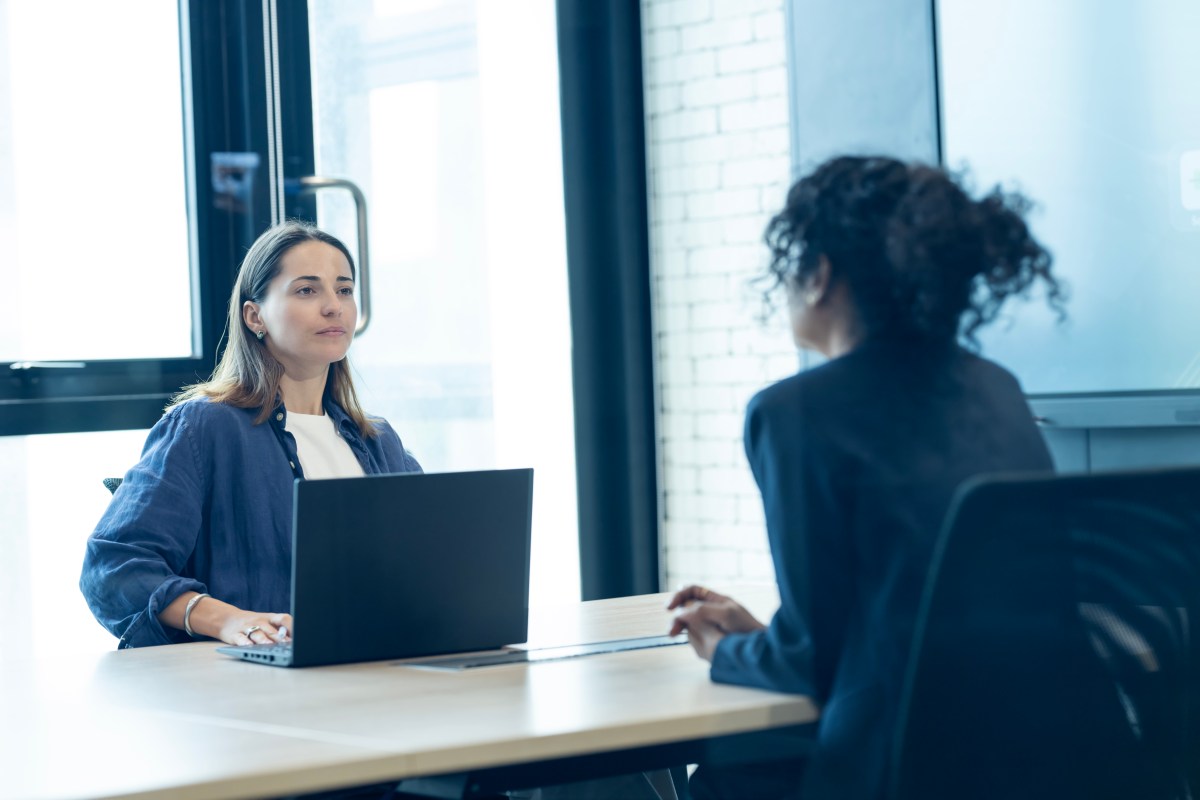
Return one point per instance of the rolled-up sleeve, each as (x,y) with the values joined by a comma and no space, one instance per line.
(134,559)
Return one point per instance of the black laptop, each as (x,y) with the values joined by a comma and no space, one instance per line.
(400,566)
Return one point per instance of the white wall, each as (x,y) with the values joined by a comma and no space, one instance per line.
(718,158)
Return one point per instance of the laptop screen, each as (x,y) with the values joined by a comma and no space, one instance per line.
(398,566)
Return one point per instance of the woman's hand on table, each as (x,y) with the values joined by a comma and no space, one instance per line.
(708,617)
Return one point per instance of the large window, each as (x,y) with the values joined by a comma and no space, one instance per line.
(93,204)
(452,133)
(52,496)
(1095,115)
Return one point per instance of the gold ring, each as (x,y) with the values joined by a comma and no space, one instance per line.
(251,630)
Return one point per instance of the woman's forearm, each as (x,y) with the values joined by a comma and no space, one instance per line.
(207,618)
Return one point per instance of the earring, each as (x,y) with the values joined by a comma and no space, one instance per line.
(260,335)
(811,297)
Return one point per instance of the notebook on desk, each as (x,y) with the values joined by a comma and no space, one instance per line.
(400,566)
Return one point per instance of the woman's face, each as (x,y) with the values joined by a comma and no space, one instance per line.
(309,311)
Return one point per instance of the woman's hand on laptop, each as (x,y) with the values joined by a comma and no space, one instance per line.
(236,626)
(255,627)
(205,615)
(708,616)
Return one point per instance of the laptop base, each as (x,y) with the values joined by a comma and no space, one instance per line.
(521,656)
(277,655)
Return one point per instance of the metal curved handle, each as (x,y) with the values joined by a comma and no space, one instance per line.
(314,183)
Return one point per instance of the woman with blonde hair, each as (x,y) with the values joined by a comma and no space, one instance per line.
(197,540)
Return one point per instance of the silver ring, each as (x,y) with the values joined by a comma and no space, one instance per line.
(251,630)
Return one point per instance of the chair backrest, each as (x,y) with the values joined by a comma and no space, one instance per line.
(111,484)
(1057,647)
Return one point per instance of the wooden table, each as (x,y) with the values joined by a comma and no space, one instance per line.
(184,721)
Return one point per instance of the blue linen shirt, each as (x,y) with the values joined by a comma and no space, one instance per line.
(208,508)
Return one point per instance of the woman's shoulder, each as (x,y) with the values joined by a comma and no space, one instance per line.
(873,372)
(807,386)
(205,410)
(385,434)
(787,391)
(205,418)
(348,424)
(793,404)
(988,370)
(396,456)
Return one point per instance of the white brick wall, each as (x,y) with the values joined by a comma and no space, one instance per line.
(717,141)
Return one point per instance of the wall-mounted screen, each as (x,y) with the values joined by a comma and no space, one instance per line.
(1092,109)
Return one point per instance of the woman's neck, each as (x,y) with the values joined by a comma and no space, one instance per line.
(843,328)
(842,339)
(305,396)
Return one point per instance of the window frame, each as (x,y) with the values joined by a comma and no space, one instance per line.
(224,75)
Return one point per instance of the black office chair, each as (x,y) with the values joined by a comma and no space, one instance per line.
(1057,649)
(112,483)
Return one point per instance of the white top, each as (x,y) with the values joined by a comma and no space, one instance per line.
(323,452)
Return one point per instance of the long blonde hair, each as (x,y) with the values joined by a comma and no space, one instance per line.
(247,376)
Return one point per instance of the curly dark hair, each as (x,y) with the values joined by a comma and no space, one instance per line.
(919,256)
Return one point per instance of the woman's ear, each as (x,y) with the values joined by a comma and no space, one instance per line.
(816,285)
(251,316)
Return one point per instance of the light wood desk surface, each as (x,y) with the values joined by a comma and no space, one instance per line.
(185,721)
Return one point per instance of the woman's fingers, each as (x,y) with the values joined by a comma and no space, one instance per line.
(693,594)
(703,636)
(678,625)
(282,627)
(682,597)
(256,634)
(281,620)
(257,628)
(733,618)
(723,614)
(694,615)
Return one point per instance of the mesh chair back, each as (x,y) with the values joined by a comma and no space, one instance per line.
(1057,649)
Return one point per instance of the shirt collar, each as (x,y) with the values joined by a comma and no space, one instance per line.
(344,423)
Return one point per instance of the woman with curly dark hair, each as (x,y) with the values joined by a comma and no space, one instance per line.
(885,266)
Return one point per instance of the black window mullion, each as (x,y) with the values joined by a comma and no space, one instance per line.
(229,98)
(608,265)
(296,106)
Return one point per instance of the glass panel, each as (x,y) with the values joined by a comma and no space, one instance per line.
(1096,117)
(93,210)
(446,114)
(52,496)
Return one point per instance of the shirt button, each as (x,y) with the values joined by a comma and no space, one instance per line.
(279,416)
(292,464)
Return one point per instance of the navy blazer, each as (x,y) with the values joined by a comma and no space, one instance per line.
(208,508)
(857,461)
